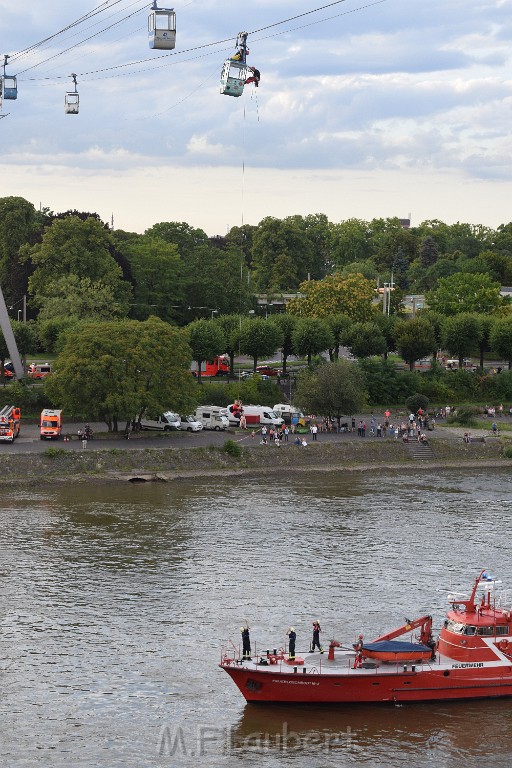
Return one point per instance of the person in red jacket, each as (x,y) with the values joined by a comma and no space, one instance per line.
(255,77)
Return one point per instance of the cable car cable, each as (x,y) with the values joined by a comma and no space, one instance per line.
(218,42)
(80,20)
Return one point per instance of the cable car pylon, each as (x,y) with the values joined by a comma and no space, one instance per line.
(72,99)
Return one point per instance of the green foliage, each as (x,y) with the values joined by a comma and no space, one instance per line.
(75,247)
(416,401)
(311,336)
(117,370)
(465,293)
(465,416)
(386,385)
(461,333)
(497,388)
(501,338)
(52,333)
(367,339)
(334,389)
(54,453)
(415,339)
(507,452)
(206,340)
(255,390)
(25,395)
(259,338)
(232,449)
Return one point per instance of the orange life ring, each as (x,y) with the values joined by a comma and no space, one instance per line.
(503,645)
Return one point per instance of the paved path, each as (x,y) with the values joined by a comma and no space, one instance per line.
(30,442)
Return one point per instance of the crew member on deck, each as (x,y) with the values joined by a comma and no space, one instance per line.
(292,636)
(246,643)
(316,637)
(359,645)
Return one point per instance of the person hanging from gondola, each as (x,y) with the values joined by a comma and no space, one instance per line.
(255,77)
(246,643)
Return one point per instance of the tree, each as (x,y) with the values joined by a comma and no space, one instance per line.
(465,293)
(286,325)
(283,255)
(350,242)
(461,333)
(19,225)
(81,248)
(414,339)
(79,297)
(230,325)
(340,326)
(501,339)
(259,338)
(334,295)
(119,370)
(367,339)
(335,389)
(429,252)
(311,336)
(206,340)
(158,277)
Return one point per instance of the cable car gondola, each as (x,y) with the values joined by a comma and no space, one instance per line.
(162,27)
(234,71)
(72,99)
(9,85)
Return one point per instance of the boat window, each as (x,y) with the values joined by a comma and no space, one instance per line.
(485,631)
(502,630)
(469,630)
(455,626)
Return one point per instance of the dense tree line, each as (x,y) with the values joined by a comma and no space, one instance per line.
(83,279)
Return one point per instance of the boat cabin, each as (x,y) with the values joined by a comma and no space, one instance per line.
(162,28)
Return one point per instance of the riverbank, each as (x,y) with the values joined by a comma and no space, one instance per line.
(168,464)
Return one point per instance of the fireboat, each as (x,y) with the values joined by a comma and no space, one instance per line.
(472,658)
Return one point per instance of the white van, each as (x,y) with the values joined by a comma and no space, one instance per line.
(288,413)
(190,424)
(212,417)
(165,422)
(255,414)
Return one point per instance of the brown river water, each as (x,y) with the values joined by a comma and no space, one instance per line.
(116,600)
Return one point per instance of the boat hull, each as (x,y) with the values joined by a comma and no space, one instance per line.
(404,686)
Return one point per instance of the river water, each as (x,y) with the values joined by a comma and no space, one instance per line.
(115,601)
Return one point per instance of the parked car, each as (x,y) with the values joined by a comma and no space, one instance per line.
(190,424)
(267,370)
(250,374)
(166,422)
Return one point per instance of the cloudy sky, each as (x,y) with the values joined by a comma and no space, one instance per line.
(365,109)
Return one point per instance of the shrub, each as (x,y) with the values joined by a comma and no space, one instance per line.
(232,448)
(417,401)
(465,416)
(54,453)
(507,452)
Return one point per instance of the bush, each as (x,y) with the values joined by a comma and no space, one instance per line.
(417,401)
(232,448)
(53,453)
(465,416)
(507,452)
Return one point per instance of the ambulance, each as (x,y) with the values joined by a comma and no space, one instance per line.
(50,424)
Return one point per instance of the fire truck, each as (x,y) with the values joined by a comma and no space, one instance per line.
(10,418)
(219,366)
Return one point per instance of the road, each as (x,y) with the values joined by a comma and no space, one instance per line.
(30,442)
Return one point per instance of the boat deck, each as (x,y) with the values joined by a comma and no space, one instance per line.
(318,663)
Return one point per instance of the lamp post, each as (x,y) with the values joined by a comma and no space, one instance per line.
(20,312)
(214,312)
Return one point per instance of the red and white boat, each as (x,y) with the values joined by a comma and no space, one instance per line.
(471,659)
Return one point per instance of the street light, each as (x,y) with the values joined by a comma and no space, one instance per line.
(214,312)
(20,312)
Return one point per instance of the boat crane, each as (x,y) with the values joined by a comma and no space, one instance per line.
(162,27)
(9,83)
(71,99)
(234,71)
